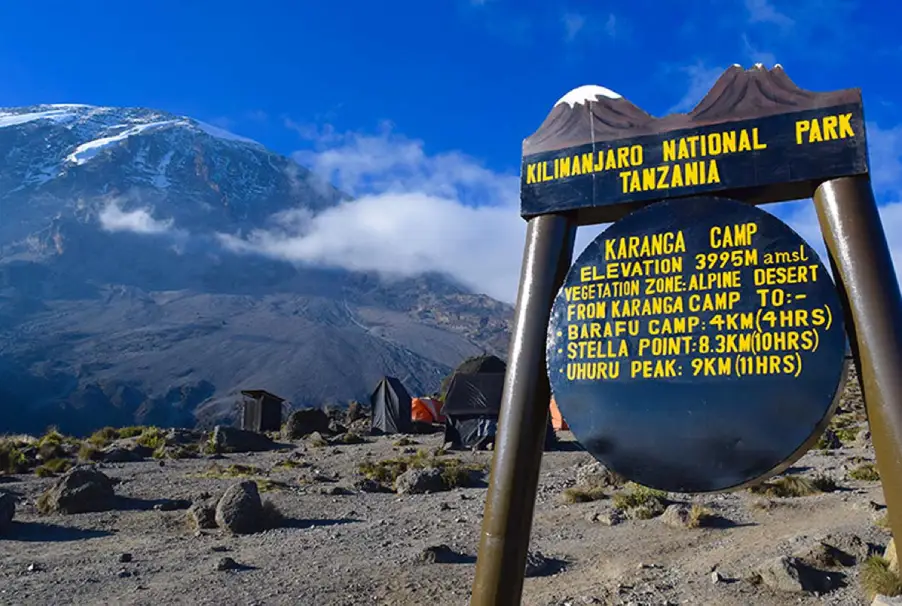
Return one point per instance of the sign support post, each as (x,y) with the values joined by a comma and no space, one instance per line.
(869,290)
(522,422)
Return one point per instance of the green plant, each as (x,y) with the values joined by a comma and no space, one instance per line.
(316,440)
(12,457)
(583,494)
(88,452)
(866,473)
(454,471)
(404,441)
(132,431)
(786,486)
(635,496)
(152,437)
(699,515)
(351,438)
(877,578)
(53,467)
(103,437)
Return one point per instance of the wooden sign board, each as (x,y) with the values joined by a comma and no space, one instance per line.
(755,136)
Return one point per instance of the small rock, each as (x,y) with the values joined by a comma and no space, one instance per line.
(536,564)
(231,439)
(173,505)
(123,574)
(863,439)
(305,421)
(116,454)
(677,516)
(438,554)
(7,511)
(595,474)
(82,489)
(791,575)
(419,481)
(610,517)
(240,509)
(202,516)
(882,600)
(124,558)
(227,563)
(444,506)
(368,485)
(336,490)
(716,577)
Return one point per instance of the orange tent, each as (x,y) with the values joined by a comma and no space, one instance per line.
(426,410)
(557,421)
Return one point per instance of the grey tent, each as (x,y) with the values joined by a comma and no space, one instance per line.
(472,407)
(391,407)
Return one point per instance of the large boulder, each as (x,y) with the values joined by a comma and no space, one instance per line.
(7,511)
(303,422)
(240,510)
(231,439)
(82,489)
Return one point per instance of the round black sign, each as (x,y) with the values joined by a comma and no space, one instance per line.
(697,345)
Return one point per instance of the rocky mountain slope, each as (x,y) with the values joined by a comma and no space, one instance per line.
(119,303)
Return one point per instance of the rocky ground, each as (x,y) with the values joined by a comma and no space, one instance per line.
(326,519)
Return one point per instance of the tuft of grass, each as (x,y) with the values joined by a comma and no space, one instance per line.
(290,463)
(187,451)
(103,437)
(351,438)
(12,457)
(699,515)
(583,494)
(454,471)
(824,483)
(866,473)
(53,467)
(883,522)
(404,441)
(233,471)
(845,427)
(152,437)
(132,431)
(786,487)
(267,485)
(316,440)
(877,578)
(636,496)
(42,503)
(89,452)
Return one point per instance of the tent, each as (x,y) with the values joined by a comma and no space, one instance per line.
(391,407)
(472,408)
(427,410)
(557,421)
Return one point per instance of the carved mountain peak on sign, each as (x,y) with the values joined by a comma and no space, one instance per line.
(739,94)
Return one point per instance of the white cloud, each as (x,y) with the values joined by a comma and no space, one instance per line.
(415,211)
(140,220)
(762,11)
(701,79)
(573,24)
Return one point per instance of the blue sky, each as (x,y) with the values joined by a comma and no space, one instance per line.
(419,108)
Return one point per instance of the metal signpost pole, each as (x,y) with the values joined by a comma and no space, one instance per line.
(524,416)
(863,267)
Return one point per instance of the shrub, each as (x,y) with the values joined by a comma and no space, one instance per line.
(877,578)
(699,515)
(12,457)
(152,437)
(636,496)
(351,438)
(53,467)
(87,452)
(785,487)
(103,437)
(454,471)
(866,473)
(583,494)
(131,432)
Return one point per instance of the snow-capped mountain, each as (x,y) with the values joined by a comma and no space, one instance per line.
(118,304)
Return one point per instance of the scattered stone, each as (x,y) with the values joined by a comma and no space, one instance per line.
(716,577)
(439,554)
(240,509)
(610,517)
(123,574)
(368,485)
(231,439)
(304,422)
(227,563)
(596,474)
(124,558)
(202,516)
(419,481)
(536,564)
(82,489)
(863,439)
(677,516)
(444,506)
(882,600)
(791,575)
(172,505)
(336,491)
(7,511)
